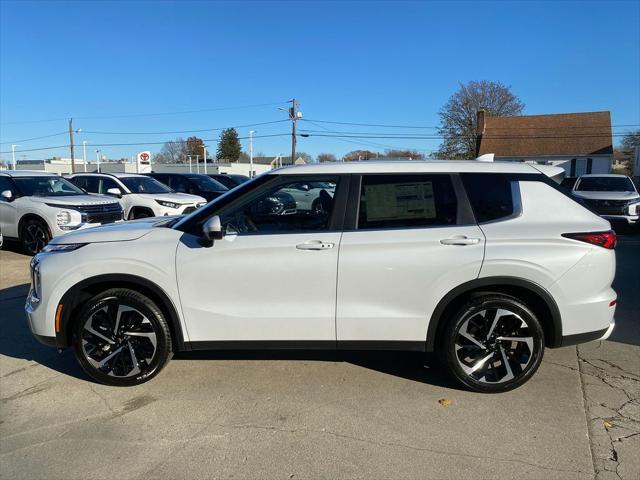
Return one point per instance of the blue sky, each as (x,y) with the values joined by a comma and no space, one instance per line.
(365,62)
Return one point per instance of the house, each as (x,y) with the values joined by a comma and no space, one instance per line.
(578,142)
(273,161)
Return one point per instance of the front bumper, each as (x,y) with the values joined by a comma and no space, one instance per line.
(630,219)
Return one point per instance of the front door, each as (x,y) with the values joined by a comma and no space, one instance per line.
(413,241)
(272,277)
(8,209)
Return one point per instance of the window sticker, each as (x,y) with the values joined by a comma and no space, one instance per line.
(399,201)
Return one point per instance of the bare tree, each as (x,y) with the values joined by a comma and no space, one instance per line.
(458,115)
(304,156)
(361,155)
(631,140)
(326,157)
(403,154)
(172,152)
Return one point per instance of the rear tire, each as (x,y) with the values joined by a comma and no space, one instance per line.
(121,338)
(493,344)
(34,236)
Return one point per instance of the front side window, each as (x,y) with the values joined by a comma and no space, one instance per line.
(144,185)
(108,183)
(407,201)
(5,184)
(90,184)
(275,209)
(45,186)
(605,184)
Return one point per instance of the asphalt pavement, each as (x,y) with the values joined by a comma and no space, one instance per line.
(319,415)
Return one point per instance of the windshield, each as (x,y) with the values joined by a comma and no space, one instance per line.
(605,184)
(144,185)
(43,186)
(207,184)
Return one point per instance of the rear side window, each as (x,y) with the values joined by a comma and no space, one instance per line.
(406,201)
(490,195)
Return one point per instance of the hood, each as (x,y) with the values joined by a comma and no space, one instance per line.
(113,232)
(72,200)
(181,198)
(606,195)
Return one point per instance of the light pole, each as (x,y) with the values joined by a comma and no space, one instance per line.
(84,154)
(98,159)
(205,158)
(251,132)
(13,156)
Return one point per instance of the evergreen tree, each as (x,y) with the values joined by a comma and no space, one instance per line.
(229,146)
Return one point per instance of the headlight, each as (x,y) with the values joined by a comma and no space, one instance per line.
(168,204)
(63,217)
(35,281)
(634,208)
(56,248)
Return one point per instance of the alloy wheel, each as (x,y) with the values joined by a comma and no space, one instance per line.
(494,345)
(35,237)
(119,340)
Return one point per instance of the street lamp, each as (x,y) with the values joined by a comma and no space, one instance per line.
(84,155)
(205,158)
(98,159)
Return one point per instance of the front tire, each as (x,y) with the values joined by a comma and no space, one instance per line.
(121,338)
(34,236)
(494,343)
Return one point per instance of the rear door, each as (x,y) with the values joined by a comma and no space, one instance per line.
(412,240)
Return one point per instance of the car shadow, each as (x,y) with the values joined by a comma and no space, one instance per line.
(16,340)
(414,366)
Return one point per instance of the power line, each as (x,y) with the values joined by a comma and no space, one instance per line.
(185,131)
(140,143)
(497,128)
(134,115)
(35,138)
(440,137)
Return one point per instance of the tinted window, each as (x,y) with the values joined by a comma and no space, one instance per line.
(49,186)
(5,184)
(144,185)
(605,184)
(90,184)
(226,180)
(108,183)
(490,195)
(276,209)
(180,184)
(206,183)
(406,201)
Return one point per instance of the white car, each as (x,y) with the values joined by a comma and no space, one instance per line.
(613,197)
(309,196)
(485,264)
(37,206)
(140,196)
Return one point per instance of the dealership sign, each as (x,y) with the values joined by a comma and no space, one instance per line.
(144,162)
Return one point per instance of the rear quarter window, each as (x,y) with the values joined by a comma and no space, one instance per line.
(490,195)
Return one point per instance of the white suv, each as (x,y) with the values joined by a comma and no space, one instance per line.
(485,264)
(614,197)
(141,196)
(37,206)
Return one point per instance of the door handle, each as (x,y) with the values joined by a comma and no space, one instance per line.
(460,240)
(315,245)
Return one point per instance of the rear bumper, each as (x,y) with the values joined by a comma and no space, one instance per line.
(588,336)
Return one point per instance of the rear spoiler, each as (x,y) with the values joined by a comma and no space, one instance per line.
(554,173)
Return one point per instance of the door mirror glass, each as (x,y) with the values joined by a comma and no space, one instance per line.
(7,195)
(211,231)
(115,192)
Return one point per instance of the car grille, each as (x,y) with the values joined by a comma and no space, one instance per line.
(101,213)
(607,207)
(189,210)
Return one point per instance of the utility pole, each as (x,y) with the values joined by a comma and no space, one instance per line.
(98,159)
(73,162)
(293,114)
(205,158)
(251,132)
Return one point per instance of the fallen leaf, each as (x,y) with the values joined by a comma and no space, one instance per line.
(444,402)
(606,424)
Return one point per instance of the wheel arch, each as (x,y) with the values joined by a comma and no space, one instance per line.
(32,216)
(137,208)
(76,296)
(534,295)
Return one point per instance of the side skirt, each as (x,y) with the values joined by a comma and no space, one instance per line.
(305,345)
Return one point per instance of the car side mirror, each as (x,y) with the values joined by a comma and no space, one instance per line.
(7,195)
(211,231)
(115,192)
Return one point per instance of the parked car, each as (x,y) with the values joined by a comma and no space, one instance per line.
(613,197)
(229,180)
(484,263)
(312,196)
(193,183)
(139,195)
(37,206)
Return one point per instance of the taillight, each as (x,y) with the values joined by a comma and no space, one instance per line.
(601,239)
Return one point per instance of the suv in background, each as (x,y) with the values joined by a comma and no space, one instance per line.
(229,180)
(139,195)
(193,183)
(613,197)
(484,263)
(37,206)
